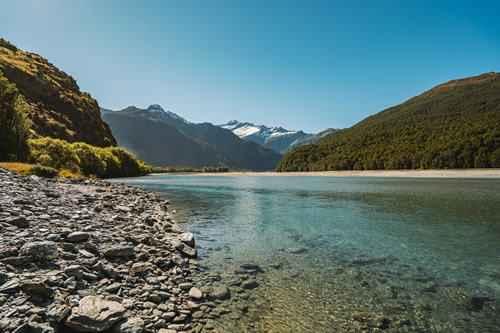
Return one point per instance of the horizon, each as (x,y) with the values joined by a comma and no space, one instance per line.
(297,65)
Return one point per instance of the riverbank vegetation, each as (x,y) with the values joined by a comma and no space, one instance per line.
(189,170)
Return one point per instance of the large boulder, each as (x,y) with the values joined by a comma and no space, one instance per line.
(45,250)
(93,314)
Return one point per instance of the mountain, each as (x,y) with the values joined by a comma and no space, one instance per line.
(453,125)
(163,138)
(58,108)
(275,138)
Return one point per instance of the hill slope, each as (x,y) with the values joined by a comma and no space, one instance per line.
(58,108)
(453,125)
(162,138)
(275,138)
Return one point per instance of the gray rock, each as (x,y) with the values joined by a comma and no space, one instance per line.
(94,314)
(44,250)
(74,270)
(19,221)
(129,325)
(17,261)
(249,284)
(220,292)
(37,288)
(77,236)
(119,251)
(40,328)
(188,238)
(195,293)
(184,249)
(10,286)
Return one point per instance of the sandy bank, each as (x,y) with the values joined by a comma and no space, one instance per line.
(455,173)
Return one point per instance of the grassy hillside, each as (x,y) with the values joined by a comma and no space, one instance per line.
(453,125)
(58,108)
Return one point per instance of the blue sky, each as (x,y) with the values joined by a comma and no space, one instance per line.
(298,64)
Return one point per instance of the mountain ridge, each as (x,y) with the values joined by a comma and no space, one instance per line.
(185,144)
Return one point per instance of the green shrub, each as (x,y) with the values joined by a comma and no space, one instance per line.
(43,171)
(83,158)
(14,123)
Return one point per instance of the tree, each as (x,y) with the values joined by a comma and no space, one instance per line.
(14,123)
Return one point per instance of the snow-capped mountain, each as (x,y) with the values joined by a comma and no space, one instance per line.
(258,133)
(155,108)
(276,138)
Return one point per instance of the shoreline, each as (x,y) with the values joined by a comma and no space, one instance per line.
(90,255)
(434,173)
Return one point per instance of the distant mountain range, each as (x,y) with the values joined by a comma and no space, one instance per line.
(453,125)
(275,138)
(163,138)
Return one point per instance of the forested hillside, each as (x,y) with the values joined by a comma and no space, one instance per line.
(453,125)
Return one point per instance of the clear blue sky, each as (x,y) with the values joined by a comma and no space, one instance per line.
(298,64)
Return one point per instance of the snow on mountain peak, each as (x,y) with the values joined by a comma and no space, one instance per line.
(155,108)
(246,129)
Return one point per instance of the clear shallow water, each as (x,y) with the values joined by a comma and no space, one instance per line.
(344,254)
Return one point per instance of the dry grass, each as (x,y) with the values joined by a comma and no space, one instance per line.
(25,169)
(22,168)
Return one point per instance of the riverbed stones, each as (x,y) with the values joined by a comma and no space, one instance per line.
(184,249)
(94,314)
(42,250)
(77,246)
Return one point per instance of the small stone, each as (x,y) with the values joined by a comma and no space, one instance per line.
(139,267)
(195,293)
(19,221)
(37,288)
(113,288)
(119,251)
(188,238)
(77,236)
(185,249)
(221,292)
(10,286)
(44,250)
(129,325)
(74,270)
(249,285)
(186,285)
(168,316)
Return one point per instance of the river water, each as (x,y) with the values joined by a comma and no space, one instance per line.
(342,254)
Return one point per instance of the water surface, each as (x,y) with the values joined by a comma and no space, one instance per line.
(343,254)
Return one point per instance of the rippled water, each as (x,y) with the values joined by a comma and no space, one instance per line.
(343,254)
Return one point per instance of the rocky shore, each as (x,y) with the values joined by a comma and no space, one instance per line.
(89,256)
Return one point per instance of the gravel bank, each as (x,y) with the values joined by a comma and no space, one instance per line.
(90,256)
